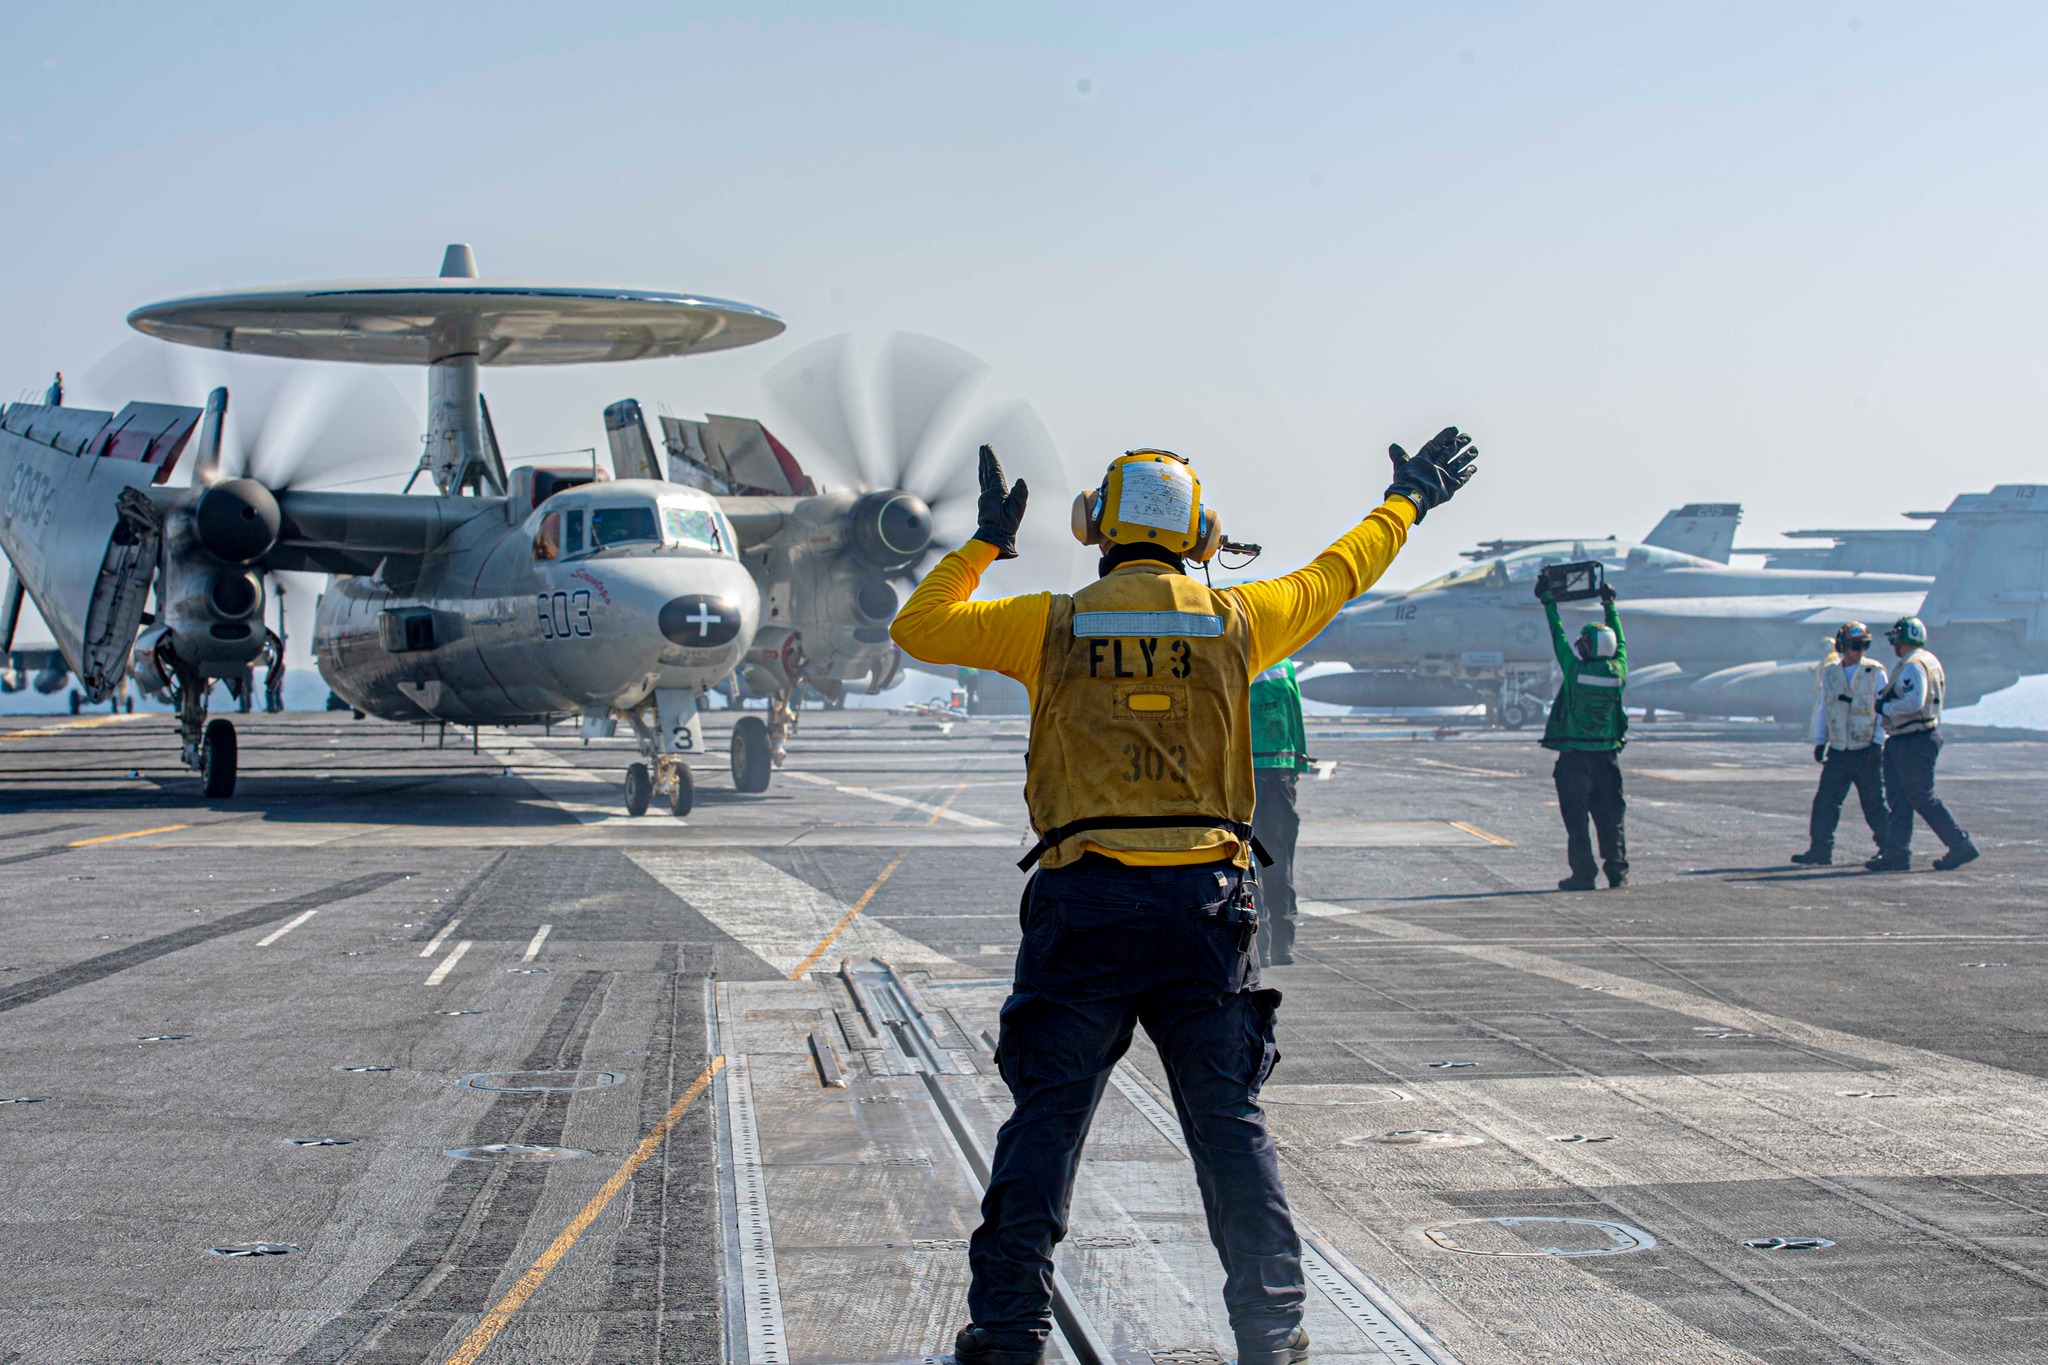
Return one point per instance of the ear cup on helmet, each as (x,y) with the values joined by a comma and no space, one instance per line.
(1208,537)
(1087,529)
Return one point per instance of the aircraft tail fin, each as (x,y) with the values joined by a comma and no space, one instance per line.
(632,449)
(1994,564)
(1706,529)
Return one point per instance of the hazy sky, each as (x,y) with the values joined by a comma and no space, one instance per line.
(1787,254)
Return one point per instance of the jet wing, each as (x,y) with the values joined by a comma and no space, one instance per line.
(355,533)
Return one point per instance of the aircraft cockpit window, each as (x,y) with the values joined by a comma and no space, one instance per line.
(611,526)
(698,527)
(1463,578)
(573,532)
(547,542)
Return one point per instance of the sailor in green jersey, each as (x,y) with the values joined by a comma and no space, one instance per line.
(1587,728)
(1279,753)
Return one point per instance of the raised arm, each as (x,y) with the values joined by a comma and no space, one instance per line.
(1285,613)
(1614,624)
(1559,641)
(940,625)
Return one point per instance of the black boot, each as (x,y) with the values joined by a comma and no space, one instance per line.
(978,1346)
(1577,883)
(1955,858)
(1292,1351)
(1890,862)
(1814,858)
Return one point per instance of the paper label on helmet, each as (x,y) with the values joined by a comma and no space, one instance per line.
(1157,493)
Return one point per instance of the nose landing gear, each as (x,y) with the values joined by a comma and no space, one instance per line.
(663,771)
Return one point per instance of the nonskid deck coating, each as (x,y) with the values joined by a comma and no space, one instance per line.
(1733,1052)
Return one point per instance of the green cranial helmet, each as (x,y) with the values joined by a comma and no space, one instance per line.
(1908,630)
(1597,642)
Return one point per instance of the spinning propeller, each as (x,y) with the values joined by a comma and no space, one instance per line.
(287,425)
(908,422)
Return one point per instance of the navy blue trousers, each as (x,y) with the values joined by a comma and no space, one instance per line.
(1861,768)
(1108,947)
(1909,790)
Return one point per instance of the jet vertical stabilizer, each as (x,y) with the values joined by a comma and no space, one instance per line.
(1995,565)
(1705,529)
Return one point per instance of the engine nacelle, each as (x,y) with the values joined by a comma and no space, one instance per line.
(213,607)
(891,528)
(237,521)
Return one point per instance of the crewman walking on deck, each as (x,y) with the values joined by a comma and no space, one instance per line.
(1140,785)
(1910,707)
(1846,742)
(1588,728)
(1279,753)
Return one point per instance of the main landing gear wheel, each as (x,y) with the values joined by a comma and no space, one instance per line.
(752,755)
(639,789)
(217,753)
(1514,715)
(683,794)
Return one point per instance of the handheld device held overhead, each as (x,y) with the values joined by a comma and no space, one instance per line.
(1571,582)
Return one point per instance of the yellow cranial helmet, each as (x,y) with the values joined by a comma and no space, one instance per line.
(1149,497)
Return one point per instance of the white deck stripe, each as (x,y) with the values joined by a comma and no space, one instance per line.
(533,948)
(289,925)
(938,812)
(759,1288)
(777,917)
(440,973)
(1355,1294)
(434,943)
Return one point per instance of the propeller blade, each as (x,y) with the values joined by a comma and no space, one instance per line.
(928,383)
(1046,547)
(334,427)
(815,386)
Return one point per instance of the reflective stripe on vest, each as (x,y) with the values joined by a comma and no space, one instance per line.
(1195,625)
(1595,680)
(1153,728)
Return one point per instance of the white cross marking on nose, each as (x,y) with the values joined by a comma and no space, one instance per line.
(704,619)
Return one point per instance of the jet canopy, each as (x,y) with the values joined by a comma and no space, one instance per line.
(602,518)
(1522,566)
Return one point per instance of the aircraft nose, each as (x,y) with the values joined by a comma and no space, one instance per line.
(700,620)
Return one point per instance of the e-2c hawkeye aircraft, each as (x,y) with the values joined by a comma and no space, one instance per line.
(500,599)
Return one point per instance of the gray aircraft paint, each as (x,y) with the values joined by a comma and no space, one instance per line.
(1705,637)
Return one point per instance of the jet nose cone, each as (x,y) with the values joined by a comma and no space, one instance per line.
(700,620)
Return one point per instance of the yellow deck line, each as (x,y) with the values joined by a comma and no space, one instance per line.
(1479,833)
(845,920)
(501,1313)
(131,834)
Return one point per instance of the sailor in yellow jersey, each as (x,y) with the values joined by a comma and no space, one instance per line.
(1139,786)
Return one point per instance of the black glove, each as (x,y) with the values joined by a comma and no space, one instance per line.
(1001,512)
(1431,475)
(1607,593)
(1820,753)
(1542,592)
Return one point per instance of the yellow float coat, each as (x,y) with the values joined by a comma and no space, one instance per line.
(941,625)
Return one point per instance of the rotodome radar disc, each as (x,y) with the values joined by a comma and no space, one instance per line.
(419,321)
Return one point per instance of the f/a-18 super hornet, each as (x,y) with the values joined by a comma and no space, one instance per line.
(1705,637)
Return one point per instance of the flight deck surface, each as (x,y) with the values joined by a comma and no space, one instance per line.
(512,1077)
